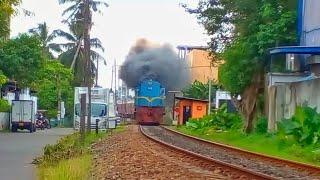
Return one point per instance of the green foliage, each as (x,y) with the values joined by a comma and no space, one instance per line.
(69,147)
(268,144)
(4,105)
(199,90)
(262,125)
(72,56)
(21,58)
(3,78)
(303,126)
(52,78)
(66,148)
(237,71)
(6,11)
(219,120)
(243,30)
(42,32)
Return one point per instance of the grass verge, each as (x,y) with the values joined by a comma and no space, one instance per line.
(69,159)
(262,143)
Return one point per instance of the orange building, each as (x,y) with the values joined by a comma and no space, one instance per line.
(190,108)
(200,63)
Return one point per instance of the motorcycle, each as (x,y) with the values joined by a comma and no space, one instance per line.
(40,124)
(46,123)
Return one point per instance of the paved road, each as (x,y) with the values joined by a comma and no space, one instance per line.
(17,151)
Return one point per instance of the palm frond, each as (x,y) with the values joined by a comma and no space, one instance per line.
(96,56)
(94,5)
(72,8)
(51,37)
(61,33)
(96,43)
(55,47)
(68,1)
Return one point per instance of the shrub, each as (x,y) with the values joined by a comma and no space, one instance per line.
(262,125)
(220,120)
(4,105)
(303,126)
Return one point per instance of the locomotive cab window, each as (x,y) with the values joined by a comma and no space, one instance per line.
(162,92)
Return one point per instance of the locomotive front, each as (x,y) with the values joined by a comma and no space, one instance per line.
(149,102)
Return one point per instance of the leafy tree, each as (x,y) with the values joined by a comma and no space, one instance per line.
(242,31)
(21,58)
(6,11)
(3,78)
(199,90)
(54,79)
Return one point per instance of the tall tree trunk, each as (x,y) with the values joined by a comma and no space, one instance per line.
(87,24)
(248,103)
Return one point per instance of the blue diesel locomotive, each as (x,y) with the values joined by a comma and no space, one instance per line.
(149,102)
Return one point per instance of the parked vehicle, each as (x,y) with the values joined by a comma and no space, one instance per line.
(126,110)
(42,122)
(102,107)
(22,115)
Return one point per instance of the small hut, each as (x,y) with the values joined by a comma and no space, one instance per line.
(190,108)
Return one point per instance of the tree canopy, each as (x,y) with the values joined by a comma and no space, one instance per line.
(21,58)
(242,31)
(6,11)
(199,90)
(52,79)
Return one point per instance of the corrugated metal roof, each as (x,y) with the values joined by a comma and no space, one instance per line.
(193,99)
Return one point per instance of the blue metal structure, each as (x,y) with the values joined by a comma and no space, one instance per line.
(308,32)
(150,93)
(309,22)
(315,50)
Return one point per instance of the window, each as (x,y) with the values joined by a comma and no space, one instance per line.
(96,110)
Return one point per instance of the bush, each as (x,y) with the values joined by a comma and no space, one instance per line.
(303,126)
(220,120)
(4,105)
(262,125)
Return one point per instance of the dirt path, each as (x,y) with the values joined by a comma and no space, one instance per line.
(129,155)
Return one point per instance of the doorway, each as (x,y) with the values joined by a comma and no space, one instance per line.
(186,114)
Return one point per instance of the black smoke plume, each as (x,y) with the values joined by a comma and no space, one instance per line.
(150,61)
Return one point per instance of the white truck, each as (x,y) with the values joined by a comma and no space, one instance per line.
(101,108)
(23,115)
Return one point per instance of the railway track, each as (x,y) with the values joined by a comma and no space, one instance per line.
(252,165)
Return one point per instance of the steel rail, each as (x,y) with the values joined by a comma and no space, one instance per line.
(244,171)
(314,169)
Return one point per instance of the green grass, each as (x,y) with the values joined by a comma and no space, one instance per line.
(69,159)
(71,169)
(262,143)
(4,130)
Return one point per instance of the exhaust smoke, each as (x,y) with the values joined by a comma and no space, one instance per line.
(152,61)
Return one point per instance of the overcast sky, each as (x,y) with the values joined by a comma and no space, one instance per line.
(124,21)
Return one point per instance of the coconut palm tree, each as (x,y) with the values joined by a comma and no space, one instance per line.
(74,12)
(42,31)
(80,12)
(73,51)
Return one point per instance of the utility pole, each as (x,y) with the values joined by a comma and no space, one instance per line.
(112,77)
(82,117)
(115,80)
(97,72)
(209,105)
(87,27)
